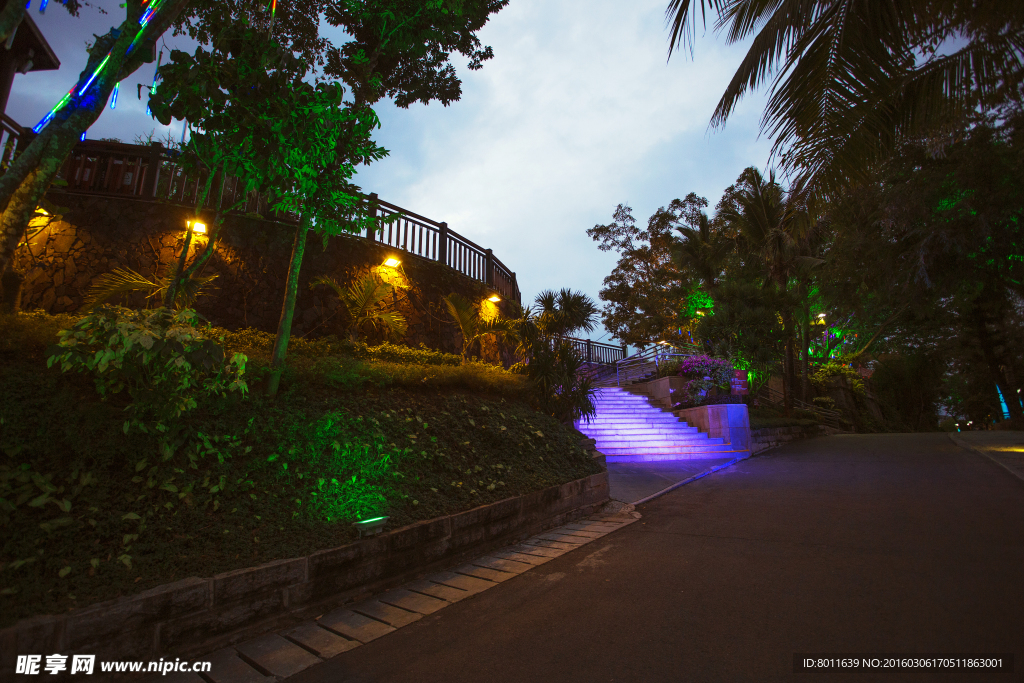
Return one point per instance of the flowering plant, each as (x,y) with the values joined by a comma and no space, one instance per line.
(704,373)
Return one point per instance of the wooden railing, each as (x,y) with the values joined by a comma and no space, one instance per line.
(597,352)
(11,135)
(153,172)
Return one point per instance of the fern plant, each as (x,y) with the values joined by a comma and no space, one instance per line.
(365,302)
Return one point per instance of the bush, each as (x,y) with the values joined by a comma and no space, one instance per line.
(826,402)
(164,362)
(705,373)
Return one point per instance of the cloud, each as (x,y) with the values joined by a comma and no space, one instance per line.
(577,112)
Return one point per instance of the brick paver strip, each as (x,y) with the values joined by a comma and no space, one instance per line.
(386,613)
(467,583)
(566,542)
(525,558)
(414,602)
(278,656)
(502,564)
(553,545)
(227,667)
(438,590)
(581,530)
(356,626)
(582,533)
(563,538)
(539,550)
(321,641)
(484,573)
(591,528)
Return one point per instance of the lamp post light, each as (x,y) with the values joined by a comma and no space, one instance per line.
(494,298)
(391,262)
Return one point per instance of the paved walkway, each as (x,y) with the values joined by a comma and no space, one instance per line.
(630,482)
(1004,448)
(843,544)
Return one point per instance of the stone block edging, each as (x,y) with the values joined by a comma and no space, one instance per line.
(197,615)
(772,437)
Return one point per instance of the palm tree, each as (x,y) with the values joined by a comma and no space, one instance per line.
(562,313)
(364,301)
(768,221)
(472,326)
(702,251)
(852,80)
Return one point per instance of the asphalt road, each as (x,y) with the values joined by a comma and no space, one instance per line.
(853,544)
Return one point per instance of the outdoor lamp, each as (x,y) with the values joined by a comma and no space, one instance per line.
(391,262)
(370,527)
(197,227)
(494,298)
(821,315)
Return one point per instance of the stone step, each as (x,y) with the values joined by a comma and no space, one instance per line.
(668,450)
(640,457)
(632,429)
(606,446)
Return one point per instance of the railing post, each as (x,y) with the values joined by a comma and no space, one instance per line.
(489,268)
(590,351)
(442,244)
(623,350)
(371,229)
(149,187)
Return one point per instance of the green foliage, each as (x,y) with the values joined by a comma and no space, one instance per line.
(825,402)
(846,375)
(554,371)
(643,291)
(123,281)
(164,362)
(366,305)
(471,325)
(703,374)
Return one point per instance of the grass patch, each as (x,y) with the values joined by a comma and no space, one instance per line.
(89,513)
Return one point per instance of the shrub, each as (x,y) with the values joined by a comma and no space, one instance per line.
(705,373)
(826,402)
(845,374)
(164,362)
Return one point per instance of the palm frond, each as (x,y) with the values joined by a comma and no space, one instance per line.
(120,281)
(189,290)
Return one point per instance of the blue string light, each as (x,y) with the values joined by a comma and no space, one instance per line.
(82,139)
(42,6)
(113,99)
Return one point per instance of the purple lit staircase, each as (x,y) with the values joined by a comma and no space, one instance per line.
(628,428)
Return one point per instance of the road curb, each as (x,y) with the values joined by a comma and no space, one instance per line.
(963,444)
(695,477)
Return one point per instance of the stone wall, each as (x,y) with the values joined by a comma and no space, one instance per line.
(59,260)
(773,437)
(197,615)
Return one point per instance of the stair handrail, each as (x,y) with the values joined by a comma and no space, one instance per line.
(829,417)
(652,354)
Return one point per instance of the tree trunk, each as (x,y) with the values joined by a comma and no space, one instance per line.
(28,178)
(291,293)
(805,351)
(987,344)
(176,278)
(218,220)
(787,365)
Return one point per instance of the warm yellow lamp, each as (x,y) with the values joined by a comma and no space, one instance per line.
(391,262)
(494,298)
(198,228)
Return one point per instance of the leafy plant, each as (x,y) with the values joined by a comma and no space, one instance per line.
(845,374)
(164,362)
(563,390)
(127,281)
(366,305)
(705,373)
(471,325)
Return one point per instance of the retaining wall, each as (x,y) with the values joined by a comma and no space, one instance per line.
(198,615)
(772,437)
